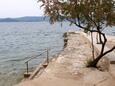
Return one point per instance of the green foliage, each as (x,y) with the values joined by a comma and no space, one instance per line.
(82,13)
(88,62)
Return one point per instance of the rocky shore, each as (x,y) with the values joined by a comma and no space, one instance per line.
(69,68)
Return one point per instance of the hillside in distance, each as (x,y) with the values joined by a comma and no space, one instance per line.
(25,19)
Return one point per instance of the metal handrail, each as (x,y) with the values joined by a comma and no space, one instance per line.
(34,57)
(27,62)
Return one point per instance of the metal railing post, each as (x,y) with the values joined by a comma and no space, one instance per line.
(27,66)
(47,56)
(27,74)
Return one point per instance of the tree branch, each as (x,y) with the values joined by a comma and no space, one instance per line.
(92,20)
(103,43)
(109,51)
(74,22)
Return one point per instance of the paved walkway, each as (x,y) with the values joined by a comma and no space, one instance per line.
(69,68)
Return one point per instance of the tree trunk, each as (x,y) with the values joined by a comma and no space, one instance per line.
(92,46)
(102,53)
(95,61)
(97,38)
(100,39)
(99,33)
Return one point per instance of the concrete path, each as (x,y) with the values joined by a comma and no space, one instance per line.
(69,68)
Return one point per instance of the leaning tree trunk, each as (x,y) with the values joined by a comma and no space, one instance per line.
(102,53)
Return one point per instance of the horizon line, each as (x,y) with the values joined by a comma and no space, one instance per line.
(22,16)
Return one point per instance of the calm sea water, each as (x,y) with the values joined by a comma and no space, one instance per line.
(19,41)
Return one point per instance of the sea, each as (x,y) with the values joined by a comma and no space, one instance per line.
(20,41)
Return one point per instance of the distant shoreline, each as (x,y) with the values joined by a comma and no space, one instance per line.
(25,19)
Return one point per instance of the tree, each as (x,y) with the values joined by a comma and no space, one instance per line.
(90,15)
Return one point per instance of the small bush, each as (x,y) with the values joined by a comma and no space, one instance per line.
(88,62)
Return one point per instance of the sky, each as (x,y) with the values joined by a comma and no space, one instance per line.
(19,8)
